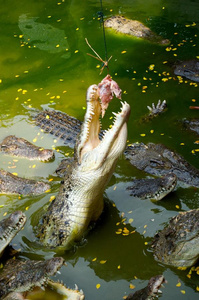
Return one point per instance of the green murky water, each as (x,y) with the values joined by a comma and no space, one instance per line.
(43,63)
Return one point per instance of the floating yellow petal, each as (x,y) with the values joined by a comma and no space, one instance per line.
(14,173)
(131,286)
(151,67)
(52,198)
(103,262)
(178,284)
(98,286)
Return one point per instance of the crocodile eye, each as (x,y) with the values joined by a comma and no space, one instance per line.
(187,72)
(156,163)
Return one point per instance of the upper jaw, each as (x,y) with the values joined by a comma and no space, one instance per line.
(98,98)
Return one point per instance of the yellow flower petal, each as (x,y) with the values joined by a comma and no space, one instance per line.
(131,286)
(103,261)
(178,284)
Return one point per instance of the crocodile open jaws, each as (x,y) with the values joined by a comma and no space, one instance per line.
(80,198)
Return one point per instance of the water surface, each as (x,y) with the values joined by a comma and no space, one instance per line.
(44,64)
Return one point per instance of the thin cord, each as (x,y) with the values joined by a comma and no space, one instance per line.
(101,16)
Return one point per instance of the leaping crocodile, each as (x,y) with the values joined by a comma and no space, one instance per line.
(80,199)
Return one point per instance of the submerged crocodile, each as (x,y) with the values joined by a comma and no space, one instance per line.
(188,69)
(133,28)
(19,277)
(158,160)
(178,243)
(60,124)
(12,184)
(20,147)
(151,291)
(191,124)
(153,188)
(80,198)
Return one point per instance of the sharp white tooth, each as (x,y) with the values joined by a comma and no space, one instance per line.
(115,114)
(159,291)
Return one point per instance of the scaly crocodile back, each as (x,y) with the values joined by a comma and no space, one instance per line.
(60,125)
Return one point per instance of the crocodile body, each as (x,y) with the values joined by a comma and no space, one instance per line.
(158,160)
(178,243)
(12,184)
(60,125)
(153,188)
(80,199)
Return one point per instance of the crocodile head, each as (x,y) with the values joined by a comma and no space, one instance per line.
(151,291)
(93,152)
(20,276)
(178,243)
(9,227)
